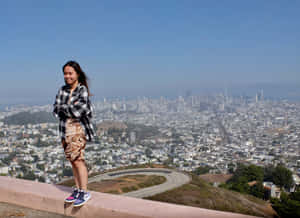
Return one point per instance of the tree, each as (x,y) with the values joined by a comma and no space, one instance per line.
(40,167)
(288,206)
(257,190)
(282,177)
(254,173)
(296,195)
(268,173)
(249,173)
(29,175)
(41,179)
(24,169)
(185,164)
(241,185)
(245,174)
(202,170)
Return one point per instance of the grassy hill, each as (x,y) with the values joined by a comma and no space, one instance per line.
(199,193)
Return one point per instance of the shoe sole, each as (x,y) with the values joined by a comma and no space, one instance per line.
(66,201)
(78,205)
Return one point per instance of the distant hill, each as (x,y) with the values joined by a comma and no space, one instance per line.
(24,118)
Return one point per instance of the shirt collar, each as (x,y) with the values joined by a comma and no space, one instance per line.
(69,87)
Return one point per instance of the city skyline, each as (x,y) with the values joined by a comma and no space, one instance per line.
(156,48)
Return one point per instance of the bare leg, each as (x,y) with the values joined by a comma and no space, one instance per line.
(82,174)
(75,175)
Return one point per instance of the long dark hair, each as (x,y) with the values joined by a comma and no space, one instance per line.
(82,78)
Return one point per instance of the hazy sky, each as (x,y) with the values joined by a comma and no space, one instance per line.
(146,47)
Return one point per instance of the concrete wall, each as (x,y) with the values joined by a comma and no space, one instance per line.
(48,197)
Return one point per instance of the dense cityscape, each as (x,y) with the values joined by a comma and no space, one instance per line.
(217,131)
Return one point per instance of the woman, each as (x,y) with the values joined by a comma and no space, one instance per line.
(73,108)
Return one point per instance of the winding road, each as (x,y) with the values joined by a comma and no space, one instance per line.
(174,180)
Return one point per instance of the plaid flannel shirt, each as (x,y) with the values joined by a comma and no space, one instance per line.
(79,108)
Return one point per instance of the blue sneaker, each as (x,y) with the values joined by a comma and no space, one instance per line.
(73,196)
(82,198)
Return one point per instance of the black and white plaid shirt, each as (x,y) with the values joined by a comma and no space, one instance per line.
(79,107)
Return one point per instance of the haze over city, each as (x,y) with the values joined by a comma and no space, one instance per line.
(194,103)
(151,48)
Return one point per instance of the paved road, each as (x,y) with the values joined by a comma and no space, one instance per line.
(174,179)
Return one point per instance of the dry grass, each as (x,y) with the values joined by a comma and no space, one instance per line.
(221,178)
(200,194)
(71,182)
(126,183)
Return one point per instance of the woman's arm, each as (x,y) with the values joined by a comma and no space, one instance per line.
(81,107)
(60,109)
(56,105)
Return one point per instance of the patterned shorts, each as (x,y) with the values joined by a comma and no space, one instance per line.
(75,141)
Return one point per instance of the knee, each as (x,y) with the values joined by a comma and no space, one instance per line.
(76,163)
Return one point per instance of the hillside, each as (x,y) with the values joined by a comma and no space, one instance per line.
(211,178)
(199,193)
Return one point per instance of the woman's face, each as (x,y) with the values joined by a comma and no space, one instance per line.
(70,76)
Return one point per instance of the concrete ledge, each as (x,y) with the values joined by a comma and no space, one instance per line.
(46,197)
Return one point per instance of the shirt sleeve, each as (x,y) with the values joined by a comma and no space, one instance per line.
(57,104)
(81,107)
(60,109)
